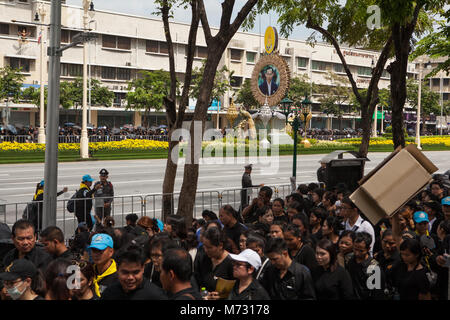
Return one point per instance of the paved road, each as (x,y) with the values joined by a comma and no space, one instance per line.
(138,177)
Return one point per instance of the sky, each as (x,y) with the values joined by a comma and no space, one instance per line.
(213,9)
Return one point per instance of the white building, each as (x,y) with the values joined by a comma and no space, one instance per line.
(129,43)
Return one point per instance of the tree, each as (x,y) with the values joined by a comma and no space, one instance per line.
(11,81)
(216,45)
(405,19)
(245,96)
(299,88)
(335,96)
(436,45)
(148,91)
(429,100)
(347,24)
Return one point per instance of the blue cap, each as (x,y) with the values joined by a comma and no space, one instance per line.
(41,183)
(446,201)
(87,177)
(160,224)
(420,216)
(101,241)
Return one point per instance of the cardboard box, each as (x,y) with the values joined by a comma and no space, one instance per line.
(394,182)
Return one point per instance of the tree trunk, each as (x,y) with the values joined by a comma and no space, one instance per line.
(169,182)
(398,98)
(190,179)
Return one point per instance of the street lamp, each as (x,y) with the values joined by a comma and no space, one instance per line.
(40,16)
(88,8)
(427,65)
(286,104)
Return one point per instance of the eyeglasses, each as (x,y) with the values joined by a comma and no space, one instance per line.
(80,263)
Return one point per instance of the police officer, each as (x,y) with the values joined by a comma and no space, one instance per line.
(246,186)
(105,191)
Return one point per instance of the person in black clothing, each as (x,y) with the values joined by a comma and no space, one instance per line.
(24,240)
(362,266)
(316,219)
(245,264)
(130,221)
(331,281)
(388,256)
(86,288)
(176,273)
(278,210)
(408,275)
(158,245)
(131,284)
(286,279)
(263,199)
(213,262)
(322,173)
(257,243)
(53,240)
(298,250)
(232,227)
(36,213)
(246,186)
(442,257)
(83,201)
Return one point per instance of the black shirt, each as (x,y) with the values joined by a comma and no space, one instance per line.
(297,283)
(255,291)
(206,276)
(409,283)
(235,232)
(37,255)
(186,294)
(307,257)
(333,285)
(359,273)
(151,274)
(145,291)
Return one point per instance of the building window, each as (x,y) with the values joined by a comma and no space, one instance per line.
(4,28)
(445,96)
(201,52)
(19,63)
(108,73)
(386,74)
(71,70)
(153,46)
(319,65)
(123,74)
(108,41)
(251,57)
(364,71)
(123,43)
(235,54)
(236,82)
(338,68)
(65,36)
(302,62)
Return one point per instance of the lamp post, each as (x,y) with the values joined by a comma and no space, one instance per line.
(40,16)
(419,103)
(84,141)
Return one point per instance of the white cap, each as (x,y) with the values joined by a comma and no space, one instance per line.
(249,256)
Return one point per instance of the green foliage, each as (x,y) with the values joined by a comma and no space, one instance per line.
(149,90)
(299,88)
(11,81)
(336,95)
(388,133)
(429,99)
(245,96)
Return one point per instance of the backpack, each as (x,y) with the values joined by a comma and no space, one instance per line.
(71,202)
(30,211)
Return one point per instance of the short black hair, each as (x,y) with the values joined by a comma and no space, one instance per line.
(275,245)
(267,191)
(132,254)
(22,224)
(256,238)
(179,261)
(363,237)
(132,217)
(53,233)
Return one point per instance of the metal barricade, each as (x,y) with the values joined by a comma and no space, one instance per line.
(17,138)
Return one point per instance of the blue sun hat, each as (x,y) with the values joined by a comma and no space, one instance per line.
(101,241)
(420,216)
(41,183)
(446,201)
(87,177)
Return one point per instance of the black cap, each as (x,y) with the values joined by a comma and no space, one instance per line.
(104,172)
(20,268)
(249,166)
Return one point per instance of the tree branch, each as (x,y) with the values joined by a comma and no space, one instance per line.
(243,13)
(205,23)
(329,36)
(227,11)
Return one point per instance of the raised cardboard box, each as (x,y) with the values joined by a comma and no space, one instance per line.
(394,182)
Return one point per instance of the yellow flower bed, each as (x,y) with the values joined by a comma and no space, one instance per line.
(137,145)
(428,140)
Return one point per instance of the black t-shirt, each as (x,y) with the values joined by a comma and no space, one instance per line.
(307,257)
(333,285)
(146,291)
(255,291)
(186,294)
(409,283)
(235,232)
(206,276)
(151,274)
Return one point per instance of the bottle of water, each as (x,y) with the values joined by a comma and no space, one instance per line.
(204,293)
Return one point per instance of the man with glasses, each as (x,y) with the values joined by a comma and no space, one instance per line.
(245,265)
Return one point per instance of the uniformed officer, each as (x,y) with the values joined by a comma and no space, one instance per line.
(247,185)
(106,192)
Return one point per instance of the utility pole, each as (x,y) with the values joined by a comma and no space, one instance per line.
(41,136)
(51,147)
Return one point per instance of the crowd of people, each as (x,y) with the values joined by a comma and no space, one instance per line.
(315,244)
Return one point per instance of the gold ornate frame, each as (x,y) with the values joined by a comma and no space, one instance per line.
(285,77)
